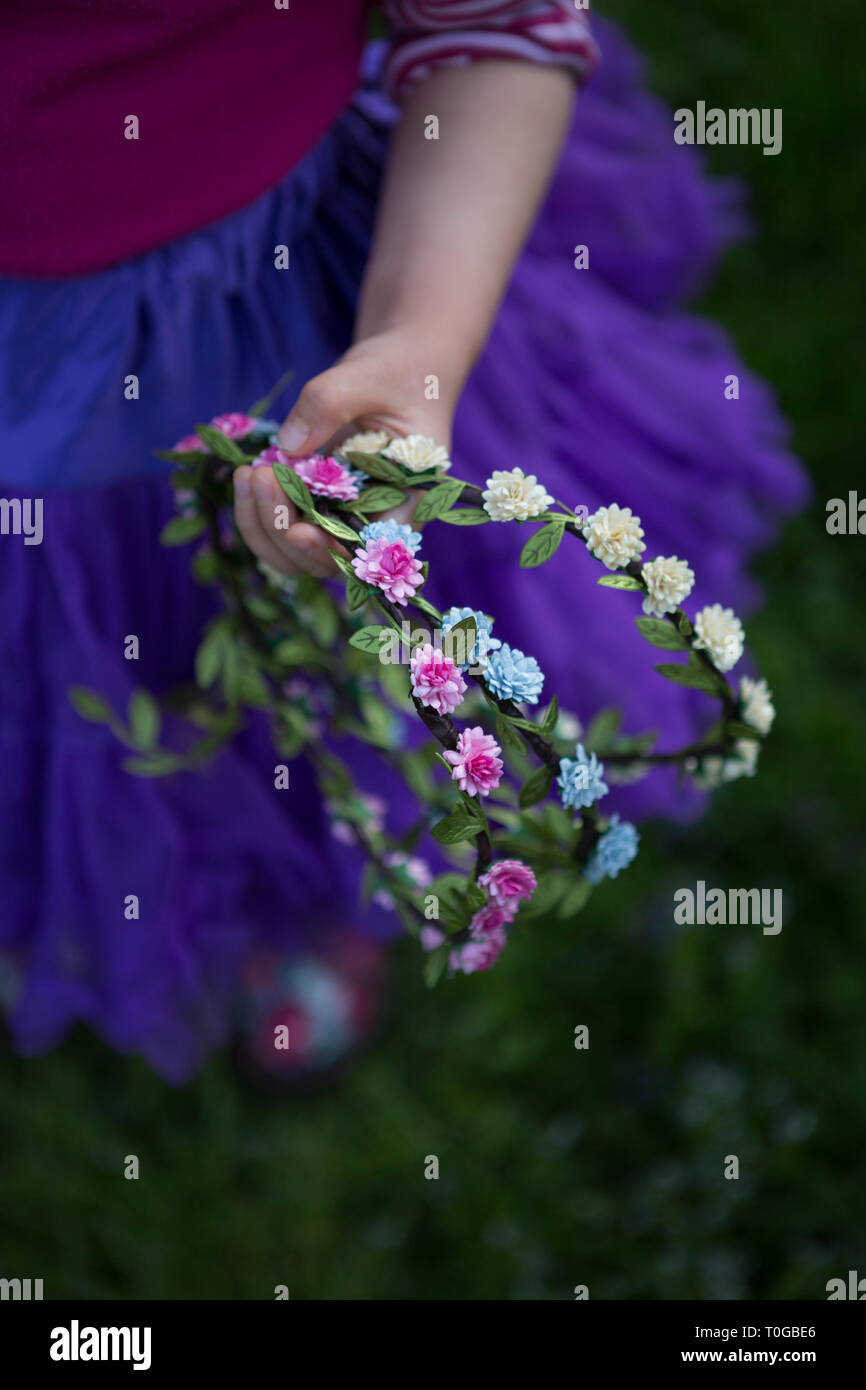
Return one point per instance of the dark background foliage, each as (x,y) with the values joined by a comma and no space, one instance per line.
(558,1166)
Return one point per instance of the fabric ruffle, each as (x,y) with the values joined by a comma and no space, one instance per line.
(595,380)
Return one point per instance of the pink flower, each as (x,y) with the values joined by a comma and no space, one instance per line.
(233,426)
(272,455)
(190,444)
(436,681)
(416,870)
(476,763)
(431,937)
(391,566)
(479,953)
(489,918)
(507,882)
(326,477)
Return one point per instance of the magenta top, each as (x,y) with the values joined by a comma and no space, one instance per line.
(127,123)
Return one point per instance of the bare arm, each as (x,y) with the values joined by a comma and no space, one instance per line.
(452,218)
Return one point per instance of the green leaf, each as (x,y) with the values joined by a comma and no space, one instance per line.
(218,444)
(456,827)
(251,686)
(335,527)
(507,737)
(548,723)
(618,581)
(425,606)
(661,634)
(447,884)
(434,966)
(542,544)
(182,529)
(536,787)
(323,616)
(475,897)
(377,467)
(342,564)
(294,487)
(157,765)
(438,500)
(262,608)
(378,718)
(144,719)
(459,641)
(90,705)
(527,724)
(182,458)
(684,625)
(737,729)
(205,566)
(548,893)
(602,728)
(466,516)
(393,676)
(294,651)
(369,639)
(696,677)
(211,655)
(357,593)
(230,672)
(559,822)
(576,898)
(379,499)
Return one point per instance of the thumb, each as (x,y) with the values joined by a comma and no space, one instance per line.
(327,402)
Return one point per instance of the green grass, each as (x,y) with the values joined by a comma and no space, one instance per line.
(559,1166)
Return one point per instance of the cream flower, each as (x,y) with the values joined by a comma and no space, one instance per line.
(514,496)
(668,582)
(418,453)
(614,536)
(366,442)
(747,750)
(720,634)
(714,771)
(756,702)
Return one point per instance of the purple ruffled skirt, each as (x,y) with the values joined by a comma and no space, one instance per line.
(595,380)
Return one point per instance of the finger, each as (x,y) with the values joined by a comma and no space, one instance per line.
(250,526)
(327,403)
(302,545)
(316,545)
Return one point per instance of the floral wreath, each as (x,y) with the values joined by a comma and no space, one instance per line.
(320,662)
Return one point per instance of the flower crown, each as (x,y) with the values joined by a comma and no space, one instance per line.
(342,664)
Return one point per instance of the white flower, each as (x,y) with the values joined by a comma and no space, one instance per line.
(614,536)
(512,496)
(720,633)
(756,702)
(668,582)
(367,442)
(714,771)
(568,727)
(747,750)
(418,453)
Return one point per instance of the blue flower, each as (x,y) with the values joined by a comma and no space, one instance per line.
(484,642)
(513,676)
(392,531)
(614,851)
(579,779)
(266,429)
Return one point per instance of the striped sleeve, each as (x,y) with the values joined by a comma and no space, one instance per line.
(426,33)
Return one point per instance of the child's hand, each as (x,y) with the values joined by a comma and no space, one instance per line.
(378,385)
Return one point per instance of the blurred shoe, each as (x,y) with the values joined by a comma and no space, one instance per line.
(302,1020)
